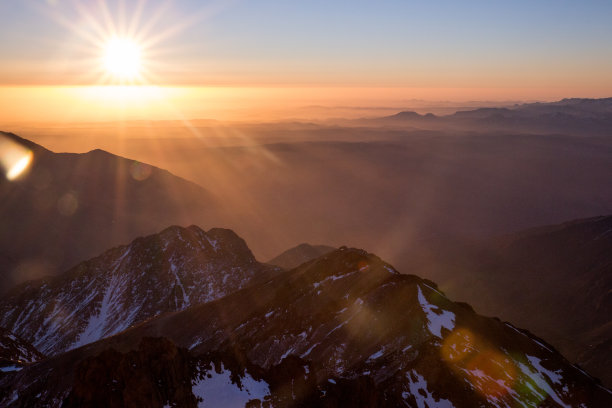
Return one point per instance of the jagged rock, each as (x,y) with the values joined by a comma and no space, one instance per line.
(159,273)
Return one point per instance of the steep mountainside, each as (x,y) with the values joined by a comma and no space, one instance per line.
(296,256)
(163,272)
(15,352)
(564,272)
(48,215)
(345,329)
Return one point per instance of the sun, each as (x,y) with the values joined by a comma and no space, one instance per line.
(122,59)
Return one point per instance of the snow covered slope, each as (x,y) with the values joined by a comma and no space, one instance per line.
(164,272)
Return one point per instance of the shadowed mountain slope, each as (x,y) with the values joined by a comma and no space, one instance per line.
(69,207)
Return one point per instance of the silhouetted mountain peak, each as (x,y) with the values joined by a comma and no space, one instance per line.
(481,112)
(36,148)
(345,261)
(44,214)
(568,116)
(411,115)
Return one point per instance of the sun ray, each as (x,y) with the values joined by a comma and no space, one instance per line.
(152,22)
(135,21)
(96,24)
(111,28)
(121,18)
(93,23)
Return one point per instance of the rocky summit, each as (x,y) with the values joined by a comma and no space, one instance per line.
(159,273)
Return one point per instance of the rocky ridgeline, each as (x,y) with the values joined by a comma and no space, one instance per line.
(345,329)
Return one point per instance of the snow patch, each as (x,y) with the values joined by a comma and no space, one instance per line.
(213,243)
(108,320)
(418,389)
(286,354)
(196,343)
(307,352)
(542,345)
(437,318)
(186,301)
(538,379)
(219,391)
(555,376)
(391,270)
(376,355)
(332,278)
(9,369)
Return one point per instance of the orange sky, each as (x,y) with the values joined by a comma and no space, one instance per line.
(65,105)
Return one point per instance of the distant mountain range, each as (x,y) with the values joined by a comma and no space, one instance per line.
(70,207)
(345,329)
(568,116)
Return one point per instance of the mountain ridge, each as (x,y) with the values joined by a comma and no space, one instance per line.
(567,116)
(130,283)
(343,319)
(299,254)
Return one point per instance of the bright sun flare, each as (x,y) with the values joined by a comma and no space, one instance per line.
(122,59)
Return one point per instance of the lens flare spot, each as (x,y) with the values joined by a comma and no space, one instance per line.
(140,171)
(489,371)
(68,204)
(458,346)
(14,158)
(363,266)
(19,167)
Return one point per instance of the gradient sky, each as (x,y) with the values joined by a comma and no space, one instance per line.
(488,49)
(381,43)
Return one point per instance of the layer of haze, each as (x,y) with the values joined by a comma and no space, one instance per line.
(64,106)
(380,186)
